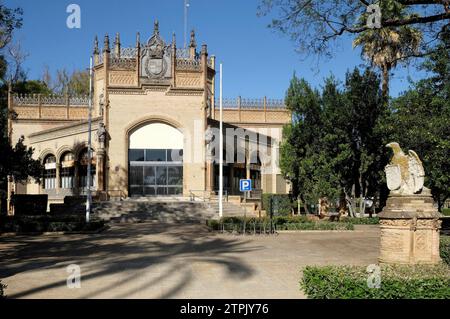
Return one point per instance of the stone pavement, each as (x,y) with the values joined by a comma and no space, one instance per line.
(176,261)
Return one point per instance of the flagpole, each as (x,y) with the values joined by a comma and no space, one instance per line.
(89,166)
(221,148)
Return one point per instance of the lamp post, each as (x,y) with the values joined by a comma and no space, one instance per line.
(89,166)
(221,148)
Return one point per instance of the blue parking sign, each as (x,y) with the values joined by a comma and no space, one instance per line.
(245,185)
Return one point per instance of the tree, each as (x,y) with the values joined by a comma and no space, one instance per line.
(334,147)
(385,47)
(16,161)
(75,83)
(420,118)
(10,19)
(315,25)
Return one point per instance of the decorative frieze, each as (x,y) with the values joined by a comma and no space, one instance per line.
(188,65)
(185,79)
(119,78)
(123,64)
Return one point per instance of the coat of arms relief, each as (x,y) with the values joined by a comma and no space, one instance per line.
(156,57)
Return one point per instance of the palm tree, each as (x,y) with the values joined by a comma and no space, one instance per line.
(385,47)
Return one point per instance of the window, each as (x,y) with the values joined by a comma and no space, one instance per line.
(50,172)
(67,172)
(136,156)
(155,156)
(82,171)
(174,155)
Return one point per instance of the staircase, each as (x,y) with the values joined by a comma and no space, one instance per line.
(229,209)
(158,211)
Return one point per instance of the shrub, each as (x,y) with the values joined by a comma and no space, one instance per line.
(2,290)
(361,221)
(279,223)
(397,282)
(446,211)
(30,204)
(444,248)
(279,204)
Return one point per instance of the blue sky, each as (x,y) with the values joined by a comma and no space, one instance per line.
(257,61)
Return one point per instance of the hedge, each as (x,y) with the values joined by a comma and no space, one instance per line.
(361,221)
(397,282)
(30,204)
(444,248)
(446,212)
(48,223)
(279,204)
(279,223)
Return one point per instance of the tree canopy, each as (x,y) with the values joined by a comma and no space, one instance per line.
(316,26)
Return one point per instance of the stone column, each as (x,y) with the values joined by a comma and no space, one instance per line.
(58,178)
(410,230)
(100,170)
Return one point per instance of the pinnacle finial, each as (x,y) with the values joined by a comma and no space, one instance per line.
(96,45)
(192,44)
(174,39)
(117,41)
(156,28)
(138,39)
(106,44)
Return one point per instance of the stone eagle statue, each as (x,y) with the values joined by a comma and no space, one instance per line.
(405,174)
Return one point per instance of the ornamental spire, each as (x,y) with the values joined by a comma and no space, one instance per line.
(106,44)
(193,44)
(96,51)
(117,45)
(156,28)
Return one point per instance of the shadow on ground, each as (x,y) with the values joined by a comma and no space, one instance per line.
(128,250)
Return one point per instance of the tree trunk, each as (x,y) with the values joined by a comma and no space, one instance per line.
(305,205)
(385,85)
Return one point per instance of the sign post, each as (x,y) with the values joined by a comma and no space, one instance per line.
(245,186)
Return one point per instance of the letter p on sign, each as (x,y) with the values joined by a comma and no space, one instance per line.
(245,185)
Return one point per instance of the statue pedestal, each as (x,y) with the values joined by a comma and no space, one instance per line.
(410,230)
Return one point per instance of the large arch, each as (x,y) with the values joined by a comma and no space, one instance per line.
(155,158)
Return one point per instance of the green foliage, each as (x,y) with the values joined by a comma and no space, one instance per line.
(397,282)
(279,223)
(420,117)
(280,204)
(361,221)
(444,248)
(446,212)
(335,143)
(10,19)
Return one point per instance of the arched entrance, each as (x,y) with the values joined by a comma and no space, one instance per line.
(155,160)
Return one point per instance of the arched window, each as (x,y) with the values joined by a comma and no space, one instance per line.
(83,161)
(50,172)
(67,172)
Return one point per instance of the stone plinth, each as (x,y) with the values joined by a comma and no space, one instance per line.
(410,230)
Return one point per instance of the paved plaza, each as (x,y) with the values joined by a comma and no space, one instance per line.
(176,261)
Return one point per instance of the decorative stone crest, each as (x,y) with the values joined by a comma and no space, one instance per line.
(156,57)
